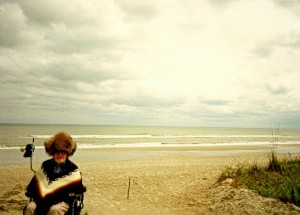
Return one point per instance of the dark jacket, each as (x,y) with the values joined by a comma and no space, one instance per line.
(48,188)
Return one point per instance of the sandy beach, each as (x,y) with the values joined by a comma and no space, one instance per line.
(181,182)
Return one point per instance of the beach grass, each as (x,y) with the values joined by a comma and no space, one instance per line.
(278,178)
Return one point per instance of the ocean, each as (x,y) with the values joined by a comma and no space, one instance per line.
(15,136)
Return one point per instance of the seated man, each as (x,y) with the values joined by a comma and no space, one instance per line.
(50,186)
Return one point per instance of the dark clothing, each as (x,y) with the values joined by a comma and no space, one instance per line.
(48,188)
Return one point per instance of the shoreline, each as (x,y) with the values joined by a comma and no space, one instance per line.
(14,156)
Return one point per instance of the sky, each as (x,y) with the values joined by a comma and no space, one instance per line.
(200,63)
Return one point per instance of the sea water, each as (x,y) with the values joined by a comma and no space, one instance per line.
(15,136)
(95,136)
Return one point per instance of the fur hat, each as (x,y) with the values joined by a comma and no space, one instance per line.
(60,142)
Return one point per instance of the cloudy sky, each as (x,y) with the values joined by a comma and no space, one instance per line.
(140,62)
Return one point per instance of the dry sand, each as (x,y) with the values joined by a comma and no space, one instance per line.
(174,184)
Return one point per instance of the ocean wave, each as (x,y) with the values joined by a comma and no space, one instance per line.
(134,136)
(159,144)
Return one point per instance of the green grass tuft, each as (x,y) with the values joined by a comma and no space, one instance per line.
(279,179)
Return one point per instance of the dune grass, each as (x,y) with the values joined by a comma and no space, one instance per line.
(279,179)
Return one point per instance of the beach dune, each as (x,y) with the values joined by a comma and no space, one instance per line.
(172,184)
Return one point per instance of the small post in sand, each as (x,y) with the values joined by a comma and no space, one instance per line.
(128,188)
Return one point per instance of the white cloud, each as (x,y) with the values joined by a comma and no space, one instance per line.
(198,63)
(11,15)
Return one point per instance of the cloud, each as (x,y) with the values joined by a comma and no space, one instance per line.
(138,10)
(11,15)
(278,90)
(192,63)
(292,6)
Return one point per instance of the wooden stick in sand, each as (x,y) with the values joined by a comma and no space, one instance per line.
(128,188)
